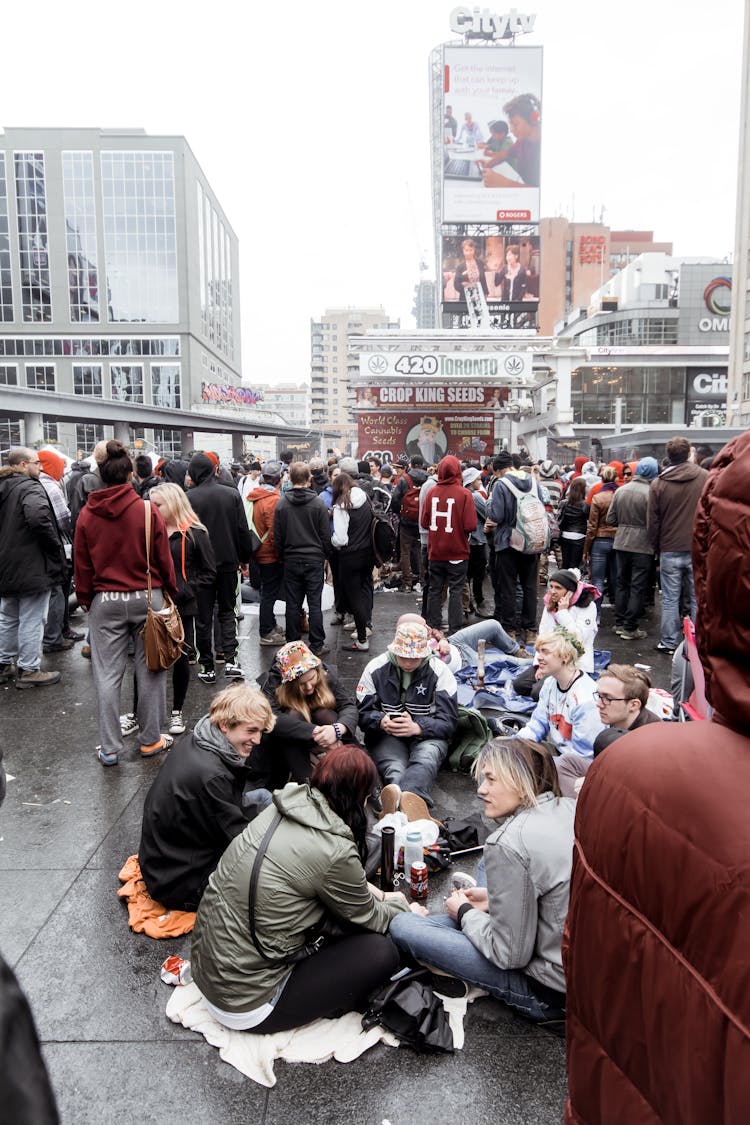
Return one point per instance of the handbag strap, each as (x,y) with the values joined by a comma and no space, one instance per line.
(251,894)
(147,517)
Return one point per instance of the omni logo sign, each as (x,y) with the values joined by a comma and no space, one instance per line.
(718,300)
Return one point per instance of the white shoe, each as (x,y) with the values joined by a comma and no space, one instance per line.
(233,672)
(368,633)
(128,724)
(460,881)
(176,723)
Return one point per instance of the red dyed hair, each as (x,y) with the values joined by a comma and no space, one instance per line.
(346,777)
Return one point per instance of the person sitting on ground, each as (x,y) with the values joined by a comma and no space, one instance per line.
(566,714)
(571,603)
(304,856)
(313,714)
(506,936)
(459,650)
(408,711)
(196,804)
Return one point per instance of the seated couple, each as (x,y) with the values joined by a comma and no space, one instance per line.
(306,853)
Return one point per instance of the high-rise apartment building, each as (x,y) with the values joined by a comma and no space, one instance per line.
(332,368)
(425,304)
(738,390)
(118,281)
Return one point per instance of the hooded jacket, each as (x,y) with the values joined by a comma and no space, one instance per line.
(301,528)
(411,478)
(351,526)
(81,482)
(449,515)
(32,559)
(658,928)
(220,508)
(191,812)
(110,545)
(502,506)
(311,867)
(672,501)
(428,695)
(260,505)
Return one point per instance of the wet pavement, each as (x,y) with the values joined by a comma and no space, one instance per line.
(66,828)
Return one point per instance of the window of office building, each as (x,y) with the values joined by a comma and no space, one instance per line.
(87,435)
(165,385)
(88,380)
(33,249)
(89,345)
(168,444)
(140,245)
(40,377)
(50,431)
(634,331)
(8,375)
(80,235)
(127,383)
(10,434)
(6,284)
(649,395)
(215,272)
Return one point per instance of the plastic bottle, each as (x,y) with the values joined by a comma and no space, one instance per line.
(414,851)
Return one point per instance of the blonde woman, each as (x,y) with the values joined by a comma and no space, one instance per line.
(312,713)
(194,565)
(505,936)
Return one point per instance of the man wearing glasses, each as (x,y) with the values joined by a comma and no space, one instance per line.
(32,562)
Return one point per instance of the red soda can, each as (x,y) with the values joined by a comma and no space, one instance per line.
(418,880)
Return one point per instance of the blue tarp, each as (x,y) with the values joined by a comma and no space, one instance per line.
(498,691)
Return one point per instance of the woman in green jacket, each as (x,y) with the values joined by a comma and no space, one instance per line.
(312,867)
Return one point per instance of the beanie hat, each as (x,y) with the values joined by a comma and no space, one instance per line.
(348,465)
(212,457)
(363,467)
(52,463)
(547,469)
(567,578)
(294,659)
(503,460)
(647,468)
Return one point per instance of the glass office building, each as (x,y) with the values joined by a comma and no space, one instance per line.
(118,279)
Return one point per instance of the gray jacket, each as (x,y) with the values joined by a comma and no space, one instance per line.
(528,861)
(628,512)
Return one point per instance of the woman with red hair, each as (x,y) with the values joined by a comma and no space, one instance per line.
(296,865)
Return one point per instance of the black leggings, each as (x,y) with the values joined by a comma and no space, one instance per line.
(339,979)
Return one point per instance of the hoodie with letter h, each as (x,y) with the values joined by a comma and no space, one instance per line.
(449,515)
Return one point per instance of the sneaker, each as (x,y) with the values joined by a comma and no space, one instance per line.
(661,647)
(233,671)
(461,881)
(416,808)
(523,653)
(320,651)
(390,798)
(417,587)
(176,723)
(60,646)
(635,635)
(106,759)
(357,646)
(207,676)
(128,724)
(444,985)
(220,658)
(71,635)
(29,679)
(273,639)
(164,743)
(7,673)
(86,651)
(368,632)
(618,630)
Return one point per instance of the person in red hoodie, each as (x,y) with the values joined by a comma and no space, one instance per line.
(260,505)
(449,515)
(111,580)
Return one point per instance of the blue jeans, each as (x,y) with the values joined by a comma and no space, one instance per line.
(439,942)
(490,631)
(674,566)
(21,630)
(604,566)
(411,763)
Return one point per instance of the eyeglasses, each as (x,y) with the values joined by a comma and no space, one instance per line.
(607,699)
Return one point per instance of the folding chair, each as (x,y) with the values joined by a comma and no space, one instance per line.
(696,706)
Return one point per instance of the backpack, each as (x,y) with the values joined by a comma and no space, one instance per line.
(382,537)
(410,502)
(530,536)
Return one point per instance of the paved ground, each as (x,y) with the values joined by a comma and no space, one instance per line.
(65,830)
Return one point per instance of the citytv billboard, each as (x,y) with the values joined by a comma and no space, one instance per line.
(506,267)
(492,130)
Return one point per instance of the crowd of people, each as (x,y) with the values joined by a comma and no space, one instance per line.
(273,798)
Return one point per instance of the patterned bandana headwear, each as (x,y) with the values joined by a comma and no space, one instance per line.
(412,641)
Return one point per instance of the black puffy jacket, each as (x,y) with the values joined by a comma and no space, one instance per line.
(32,558)
(221,509)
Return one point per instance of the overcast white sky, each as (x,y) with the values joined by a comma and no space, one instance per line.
(311,122)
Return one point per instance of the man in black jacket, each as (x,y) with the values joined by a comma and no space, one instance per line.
(32,563)
(222,511)
(196,805)
(302,535)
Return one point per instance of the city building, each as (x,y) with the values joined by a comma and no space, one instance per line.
(333,371)
(425,304)
(578,258)
(119,294)
(738,389)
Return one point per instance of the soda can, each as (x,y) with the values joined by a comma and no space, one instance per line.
(418,880)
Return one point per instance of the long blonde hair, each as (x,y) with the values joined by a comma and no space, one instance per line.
(179,508)
(291,698)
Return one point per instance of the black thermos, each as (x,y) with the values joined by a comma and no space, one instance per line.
(386,858)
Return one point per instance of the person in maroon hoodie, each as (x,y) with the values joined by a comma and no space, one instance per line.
(110,577)
(449,515)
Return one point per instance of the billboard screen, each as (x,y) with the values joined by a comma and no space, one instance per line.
(431,434)
(492,127)
(511,365)
(424,397)
(506,267)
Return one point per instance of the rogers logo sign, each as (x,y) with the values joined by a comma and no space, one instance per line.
(514,216)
